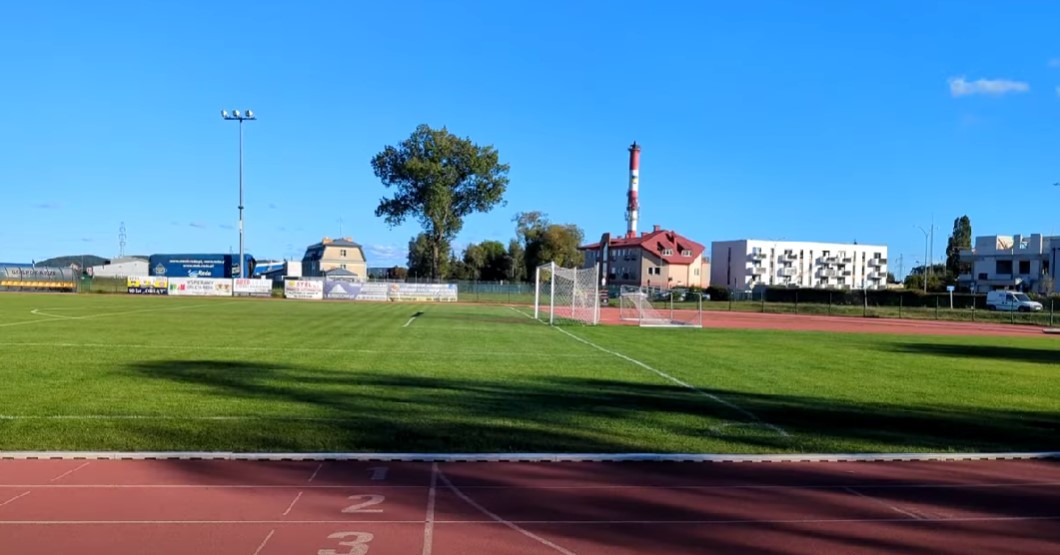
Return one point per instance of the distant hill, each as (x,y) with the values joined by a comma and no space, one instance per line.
(76,260)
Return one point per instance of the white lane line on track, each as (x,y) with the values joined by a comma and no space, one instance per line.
(541,522)
(530,457)
(264,541)
(15,498)
(319,466)
(69,472)
(497,518)
(711,396)
(884,503)
(428,526)
(778,487)
(291,506)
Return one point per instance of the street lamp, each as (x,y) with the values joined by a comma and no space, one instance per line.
(927,266)
(240,117)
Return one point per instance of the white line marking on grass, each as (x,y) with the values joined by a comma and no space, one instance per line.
(459,354)
(710,396)
(291,506)
(264,541)
(37,312)
(495,517)
(884,503)
(428,527)
(105,314)
(15,498)
(319,466)
(414,316)
(69,472)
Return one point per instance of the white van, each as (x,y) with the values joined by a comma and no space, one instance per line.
(1011,300)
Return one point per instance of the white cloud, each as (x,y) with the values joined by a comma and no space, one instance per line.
(387,252)
(959,86)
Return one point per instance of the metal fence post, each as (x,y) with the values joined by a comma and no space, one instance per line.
(901,298)
(1051,300)
(829,303)
(796,301)
(936,307)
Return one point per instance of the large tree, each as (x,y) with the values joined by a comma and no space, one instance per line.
(438,179)
(421,257)
(486,261)
(544,241)
(516,261)
(961,238)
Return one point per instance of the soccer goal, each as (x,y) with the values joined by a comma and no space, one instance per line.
(660,309)
(570,294)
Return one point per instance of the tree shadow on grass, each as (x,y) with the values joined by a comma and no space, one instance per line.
(994,352)
(292,408)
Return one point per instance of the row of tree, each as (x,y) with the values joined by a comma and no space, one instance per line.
(537,240)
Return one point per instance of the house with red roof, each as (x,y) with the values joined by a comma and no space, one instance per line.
(658,258)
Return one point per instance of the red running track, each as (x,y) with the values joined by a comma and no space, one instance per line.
(331,508)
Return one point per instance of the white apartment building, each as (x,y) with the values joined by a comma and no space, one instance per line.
(749,263)
(1019,262)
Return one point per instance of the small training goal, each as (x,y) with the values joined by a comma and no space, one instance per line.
(567,294)
(660,308)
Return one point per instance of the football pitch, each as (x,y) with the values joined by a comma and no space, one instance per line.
(103,372)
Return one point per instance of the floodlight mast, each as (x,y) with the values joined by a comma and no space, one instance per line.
(237,116)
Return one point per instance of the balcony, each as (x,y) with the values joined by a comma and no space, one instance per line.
(787,272)
(877,262)
(758,255)
(846,260)
(758,270)
(876,275)
(828,260)
(788,257)
(827,273)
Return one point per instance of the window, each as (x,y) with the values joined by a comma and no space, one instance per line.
(686,252)
(342,253)
(667,252)
(696,272)
(1003,267)
(1025,267)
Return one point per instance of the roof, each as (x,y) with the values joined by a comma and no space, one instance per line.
(656,242)
(340,242)
(340,272)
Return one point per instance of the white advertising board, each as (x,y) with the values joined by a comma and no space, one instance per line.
(303,289)
(444,292)
(200,287)
(252,287)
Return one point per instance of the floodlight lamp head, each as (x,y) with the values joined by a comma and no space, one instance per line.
(250,114)
(235,113)
(224,113)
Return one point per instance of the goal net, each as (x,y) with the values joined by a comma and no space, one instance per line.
(570,294)
(660,309)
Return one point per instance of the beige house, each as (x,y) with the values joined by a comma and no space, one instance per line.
(341,256)
(657,258)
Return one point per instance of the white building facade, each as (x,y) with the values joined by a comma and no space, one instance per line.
(749,263)
(120,267)
(1017,262)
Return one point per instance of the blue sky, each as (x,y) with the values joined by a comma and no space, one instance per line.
(818,121)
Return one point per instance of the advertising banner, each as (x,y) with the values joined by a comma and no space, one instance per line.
(433,292)
(303,289)
(200,287)
(147,285)
(375,292)
(342,290)
(252,287)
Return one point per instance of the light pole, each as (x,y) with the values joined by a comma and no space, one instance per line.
(240,117)
(927,265)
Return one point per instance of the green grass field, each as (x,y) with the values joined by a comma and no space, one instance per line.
(105,372)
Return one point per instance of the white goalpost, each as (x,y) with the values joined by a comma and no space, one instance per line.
(635,304)
(567,294)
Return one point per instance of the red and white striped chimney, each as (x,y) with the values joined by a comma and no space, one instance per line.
(632,205)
